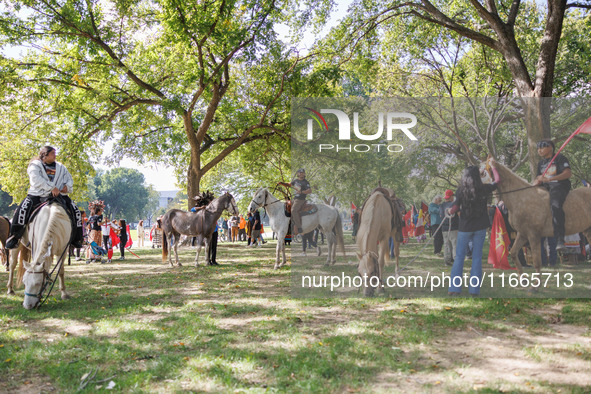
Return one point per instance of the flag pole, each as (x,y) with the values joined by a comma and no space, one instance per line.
(585,128)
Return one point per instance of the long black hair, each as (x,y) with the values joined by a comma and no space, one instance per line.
(470,190)
(46,150)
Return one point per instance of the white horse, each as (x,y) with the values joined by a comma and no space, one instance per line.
(327,218)
(47,235)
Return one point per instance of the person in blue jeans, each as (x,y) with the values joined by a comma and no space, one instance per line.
(471,201)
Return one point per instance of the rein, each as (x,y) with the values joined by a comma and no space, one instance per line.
(516,190)
(47,279)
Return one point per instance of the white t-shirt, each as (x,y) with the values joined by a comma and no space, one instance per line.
(105,228)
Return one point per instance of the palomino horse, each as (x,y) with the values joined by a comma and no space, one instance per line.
(530,216)
(327,218)
(199,224)
(377,224)
(4,230)
(47,235)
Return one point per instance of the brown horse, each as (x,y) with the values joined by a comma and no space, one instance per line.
(23,254)
(4,231)
(377,224)
(530,216)
(199,224)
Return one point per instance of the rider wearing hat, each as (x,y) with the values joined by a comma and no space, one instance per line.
(48,178)
(557,182)
(302,188)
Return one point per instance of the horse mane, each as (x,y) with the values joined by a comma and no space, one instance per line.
(505,171)
(52,231)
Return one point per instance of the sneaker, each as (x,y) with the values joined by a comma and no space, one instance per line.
(12,242)
(260,245)
(303,254)
(122,258)
(78,258)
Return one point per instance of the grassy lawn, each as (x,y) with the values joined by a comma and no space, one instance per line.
(145,327)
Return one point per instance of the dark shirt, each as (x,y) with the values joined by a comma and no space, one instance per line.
(475,216)
(94,222)
(257,220)
(556,168)
(455,220)
(303,185)
(50,170)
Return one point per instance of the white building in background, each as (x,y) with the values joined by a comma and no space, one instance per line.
(166,197)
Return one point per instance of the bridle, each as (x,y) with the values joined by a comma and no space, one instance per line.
(490,174)
(47,279)
(264,204)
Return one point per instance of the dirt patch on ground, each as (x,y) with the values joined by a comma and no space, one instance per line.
(512,360)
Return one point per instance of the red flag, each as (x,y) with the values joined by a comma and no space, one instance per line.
(420,226)
(499,243)
(585,128)
(408,222)
(129,240)
(424,208)
(114,238)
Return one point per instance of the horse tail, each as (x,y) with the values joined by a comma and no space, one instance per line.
(338,230)
(164,247)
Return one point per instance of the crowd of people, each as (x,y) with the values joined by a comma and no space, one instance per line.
(458,221)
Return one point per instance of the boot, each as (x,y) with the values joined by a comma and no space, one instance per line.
(17,234)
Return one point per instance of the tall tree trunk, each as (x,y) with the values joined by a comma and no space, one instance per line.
(194,172)
(194,175)
(537,124)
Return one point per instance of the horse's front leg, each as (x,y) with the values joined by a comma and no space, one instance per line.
(206,250)
(536,250)
(279,250)
(520,240)
(169,241)
(176,251)
(383,251)
(65,295)
(330,242)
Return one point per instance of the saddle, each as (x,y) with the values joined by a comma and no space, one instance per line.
(63,204)
(307,209)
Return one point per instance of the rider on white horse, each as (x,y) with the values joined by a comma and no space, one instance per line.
(48,178)
(302,188)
